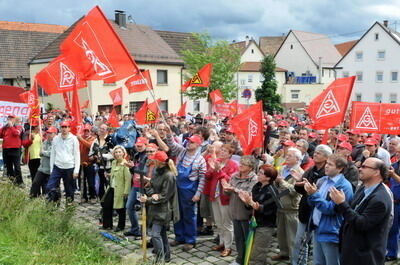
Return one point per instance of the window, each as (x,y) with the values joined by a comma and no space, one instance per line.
(252,50)
(395,76)
(379,76)
(291,46)
(358,97)
(381,55)
(359,76)
(359,56)
(162,77)
(196,105)
(242,82)
(250,78)
(345,74)
(295,94)
(376,36)
(378,97)
(135,106)
(393,98)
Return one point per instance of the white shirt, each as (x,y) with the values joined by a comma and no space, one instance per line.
(65,153)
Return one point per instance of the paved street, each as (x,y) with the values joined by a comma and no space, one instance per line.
(88,215)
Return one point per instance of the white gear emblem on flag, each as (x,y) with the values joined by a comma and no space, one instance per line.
(117,97)
(329,106)
(100,68)
(367,120)
(67,76)
(31,99)
(253,129)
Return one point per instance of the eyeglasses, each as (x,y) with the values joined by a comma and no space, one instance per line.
(64,126)
(365,166)
(150,151)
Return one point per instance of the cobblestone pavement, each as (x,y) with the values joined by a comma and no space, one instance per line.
(88,215)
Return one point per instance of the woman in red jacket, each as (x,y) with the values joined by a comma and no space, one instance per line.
(220,169)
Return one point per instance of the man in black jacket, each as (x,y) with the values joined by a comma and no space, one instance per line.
(367,218)
(321,154)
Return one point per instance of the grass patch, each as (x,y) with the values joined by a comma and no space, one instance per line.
(34,232)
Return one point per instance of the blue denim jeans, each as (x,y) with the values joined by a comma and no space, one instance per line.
(130,207)
(160,242)
(325,253)
(66,175)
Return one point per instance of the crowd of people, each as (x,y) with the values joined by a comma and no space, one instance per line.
(338,191)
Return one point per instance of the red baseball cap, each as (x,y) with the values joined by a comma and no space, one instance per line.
(195,139)
(151,145)
(283,123)
(159,156)
(141,141)
(87,127)
(312,135)
(376,136)
(342,137)
(371,141)
(11,116)
(354,131)
(289,143)
(65,123)
(52,129)
(229,130)
(346,145)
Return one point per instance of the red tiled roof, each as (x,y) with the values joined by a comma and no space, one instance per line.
(10,25)
(255,67)
(344,47)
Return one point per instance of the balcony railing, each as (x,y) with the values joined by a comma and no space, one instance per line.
(301,80)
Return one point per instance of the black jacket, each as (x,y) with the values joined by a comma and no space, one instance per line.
(351,174)
(366,227)
(312,175)
(266,214)
(356,154)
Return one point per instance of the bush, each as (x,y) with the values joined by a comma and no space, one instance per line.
(34,232)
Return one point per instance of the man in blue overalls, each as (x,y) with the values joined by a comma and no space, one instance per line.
(191,168)
(394,174)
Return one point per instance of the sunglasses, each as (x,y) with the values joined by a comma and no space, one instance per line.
(64,126)
(150,151)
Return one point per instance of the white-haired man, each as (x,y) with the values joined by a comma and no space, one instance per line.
(287,216)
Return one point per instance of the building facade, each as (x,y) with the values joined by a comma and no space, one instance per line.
(374,60)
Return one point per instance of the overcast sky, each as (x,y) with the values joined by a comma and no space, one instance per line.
(225,19)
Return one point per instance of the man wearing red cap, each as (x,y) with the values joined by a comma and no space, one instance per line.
(350,172)
(64,163)
(354,140)
(372,150)
(88,173)
(11,133)
(190,181)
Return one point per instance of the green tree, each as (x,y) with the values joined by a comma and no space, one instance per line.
(267,93)
(200,50)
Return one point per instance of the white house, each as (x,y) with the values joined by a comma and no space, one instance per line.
(309,59)
(374,59)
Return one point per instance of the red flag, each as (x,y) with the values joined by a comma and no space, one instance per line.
(113,120)
(76,123)
(58,77)
(233,107)
(96,50)
(329,108)
(366,117)
(138,83)
(217,97)
(182,110)
(67,102)
(249,129)
(31,98)
(85,105)
(116,96)
(201,79)
(148,113)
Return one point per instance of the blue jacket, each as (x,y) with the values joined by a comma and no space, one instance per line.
(331,221)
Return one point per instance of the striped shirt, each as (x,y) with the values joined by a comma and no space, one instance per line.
(199,164)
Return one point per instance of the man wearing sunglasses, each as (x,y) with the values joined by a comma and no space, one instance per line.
(64,163)
(367,218)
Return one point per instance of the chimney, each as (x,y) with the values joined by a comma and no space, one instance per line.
(386,23)
(247,41)
(120,18)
